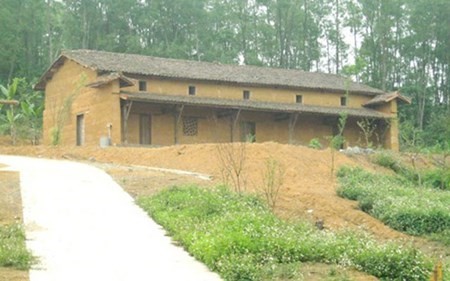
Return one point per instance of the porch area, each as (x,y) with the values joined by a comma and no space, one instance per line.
(159,120)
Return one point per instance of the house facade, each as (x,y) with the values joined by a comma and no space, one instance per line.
(93,96)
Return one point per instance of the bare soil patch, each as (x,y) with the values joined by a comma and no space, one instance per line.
(309,190)
(10,212)
(141,181)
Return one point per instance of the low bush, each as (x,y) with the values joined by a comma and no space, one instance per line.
(315,143)
(438,178)
(13,252)
(396,201)
(388,160)
(240,238)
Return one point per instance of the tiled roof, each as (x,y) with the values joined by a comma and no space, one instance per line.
(107,78)
(387,98)
(205,71)
(251,105)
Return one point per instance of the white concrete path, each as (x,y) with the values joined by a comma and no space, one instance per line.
(84,227)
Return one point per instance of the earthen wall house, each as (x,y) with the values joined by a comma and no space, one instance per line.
(141,100)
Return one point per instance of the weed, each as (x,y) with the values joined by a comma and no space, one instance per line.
(273,178)
(232,158)
(240,238)
(315,144)
(13,252)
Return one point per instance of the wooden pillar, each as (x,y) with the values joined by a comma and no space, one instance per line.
(177,119)
(391,139)
(292,121)
(234,121)
(126,109)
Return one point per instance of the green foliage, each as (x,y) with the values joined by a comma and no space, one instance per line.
(10,117)
(438,178)
(388,160)
(397,202)
(13,252)
(394,44)
(443,237)
(24,121)
(240,238)
(315,143)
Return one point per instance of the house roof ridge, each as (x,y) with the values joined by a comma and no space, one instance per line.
(246,75)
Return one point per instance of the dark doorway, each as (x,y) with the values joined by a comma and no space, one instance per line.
(248,131)
(80,129)
(145,129)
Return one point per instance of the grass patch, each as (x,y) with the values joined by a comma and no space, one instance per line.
(13,252)
(397,202)
(437,177)
(240,238)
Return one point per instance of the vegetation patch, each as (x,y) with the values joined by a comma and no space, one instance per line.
(239,237)
(13,252)
(397,202)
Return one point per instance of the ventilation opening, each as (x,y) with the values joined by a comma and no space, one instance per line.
(80,129)
(142,86)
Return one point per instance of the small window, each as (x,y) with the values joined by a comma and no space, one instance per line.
(343,101)
(192,90)
(299,99)
(190,126)
(142,86)
(246,95)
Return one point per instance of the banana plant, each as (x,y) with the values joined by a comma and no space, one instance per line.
(10,118)
(32,113)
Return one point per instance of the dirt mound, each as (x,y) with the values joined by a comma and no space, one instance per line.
(309,191)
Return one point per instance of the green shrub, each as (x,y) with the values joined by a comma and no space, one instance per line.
(315,143)
(438,178)
(385,263)
(397,202)
(13,252)
(443,237)
(240,238)
(388,160)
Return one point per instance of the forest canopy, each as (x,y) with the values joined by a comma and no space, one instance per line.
(388,44)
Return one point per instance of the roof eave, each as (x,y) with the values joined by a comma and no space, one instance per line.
(42,82)
(125,95)
(48,74)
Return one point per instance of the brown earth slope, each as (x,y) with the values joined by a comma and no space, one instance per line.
(308,191)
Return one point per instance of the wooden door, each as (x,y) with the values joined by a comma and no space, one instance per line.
(145,129)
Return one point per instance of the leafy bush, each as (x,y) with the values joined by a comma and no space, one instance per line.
(13,252)
(397,202)
(388,160)
(240,238)
(438,178)
(315,143)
